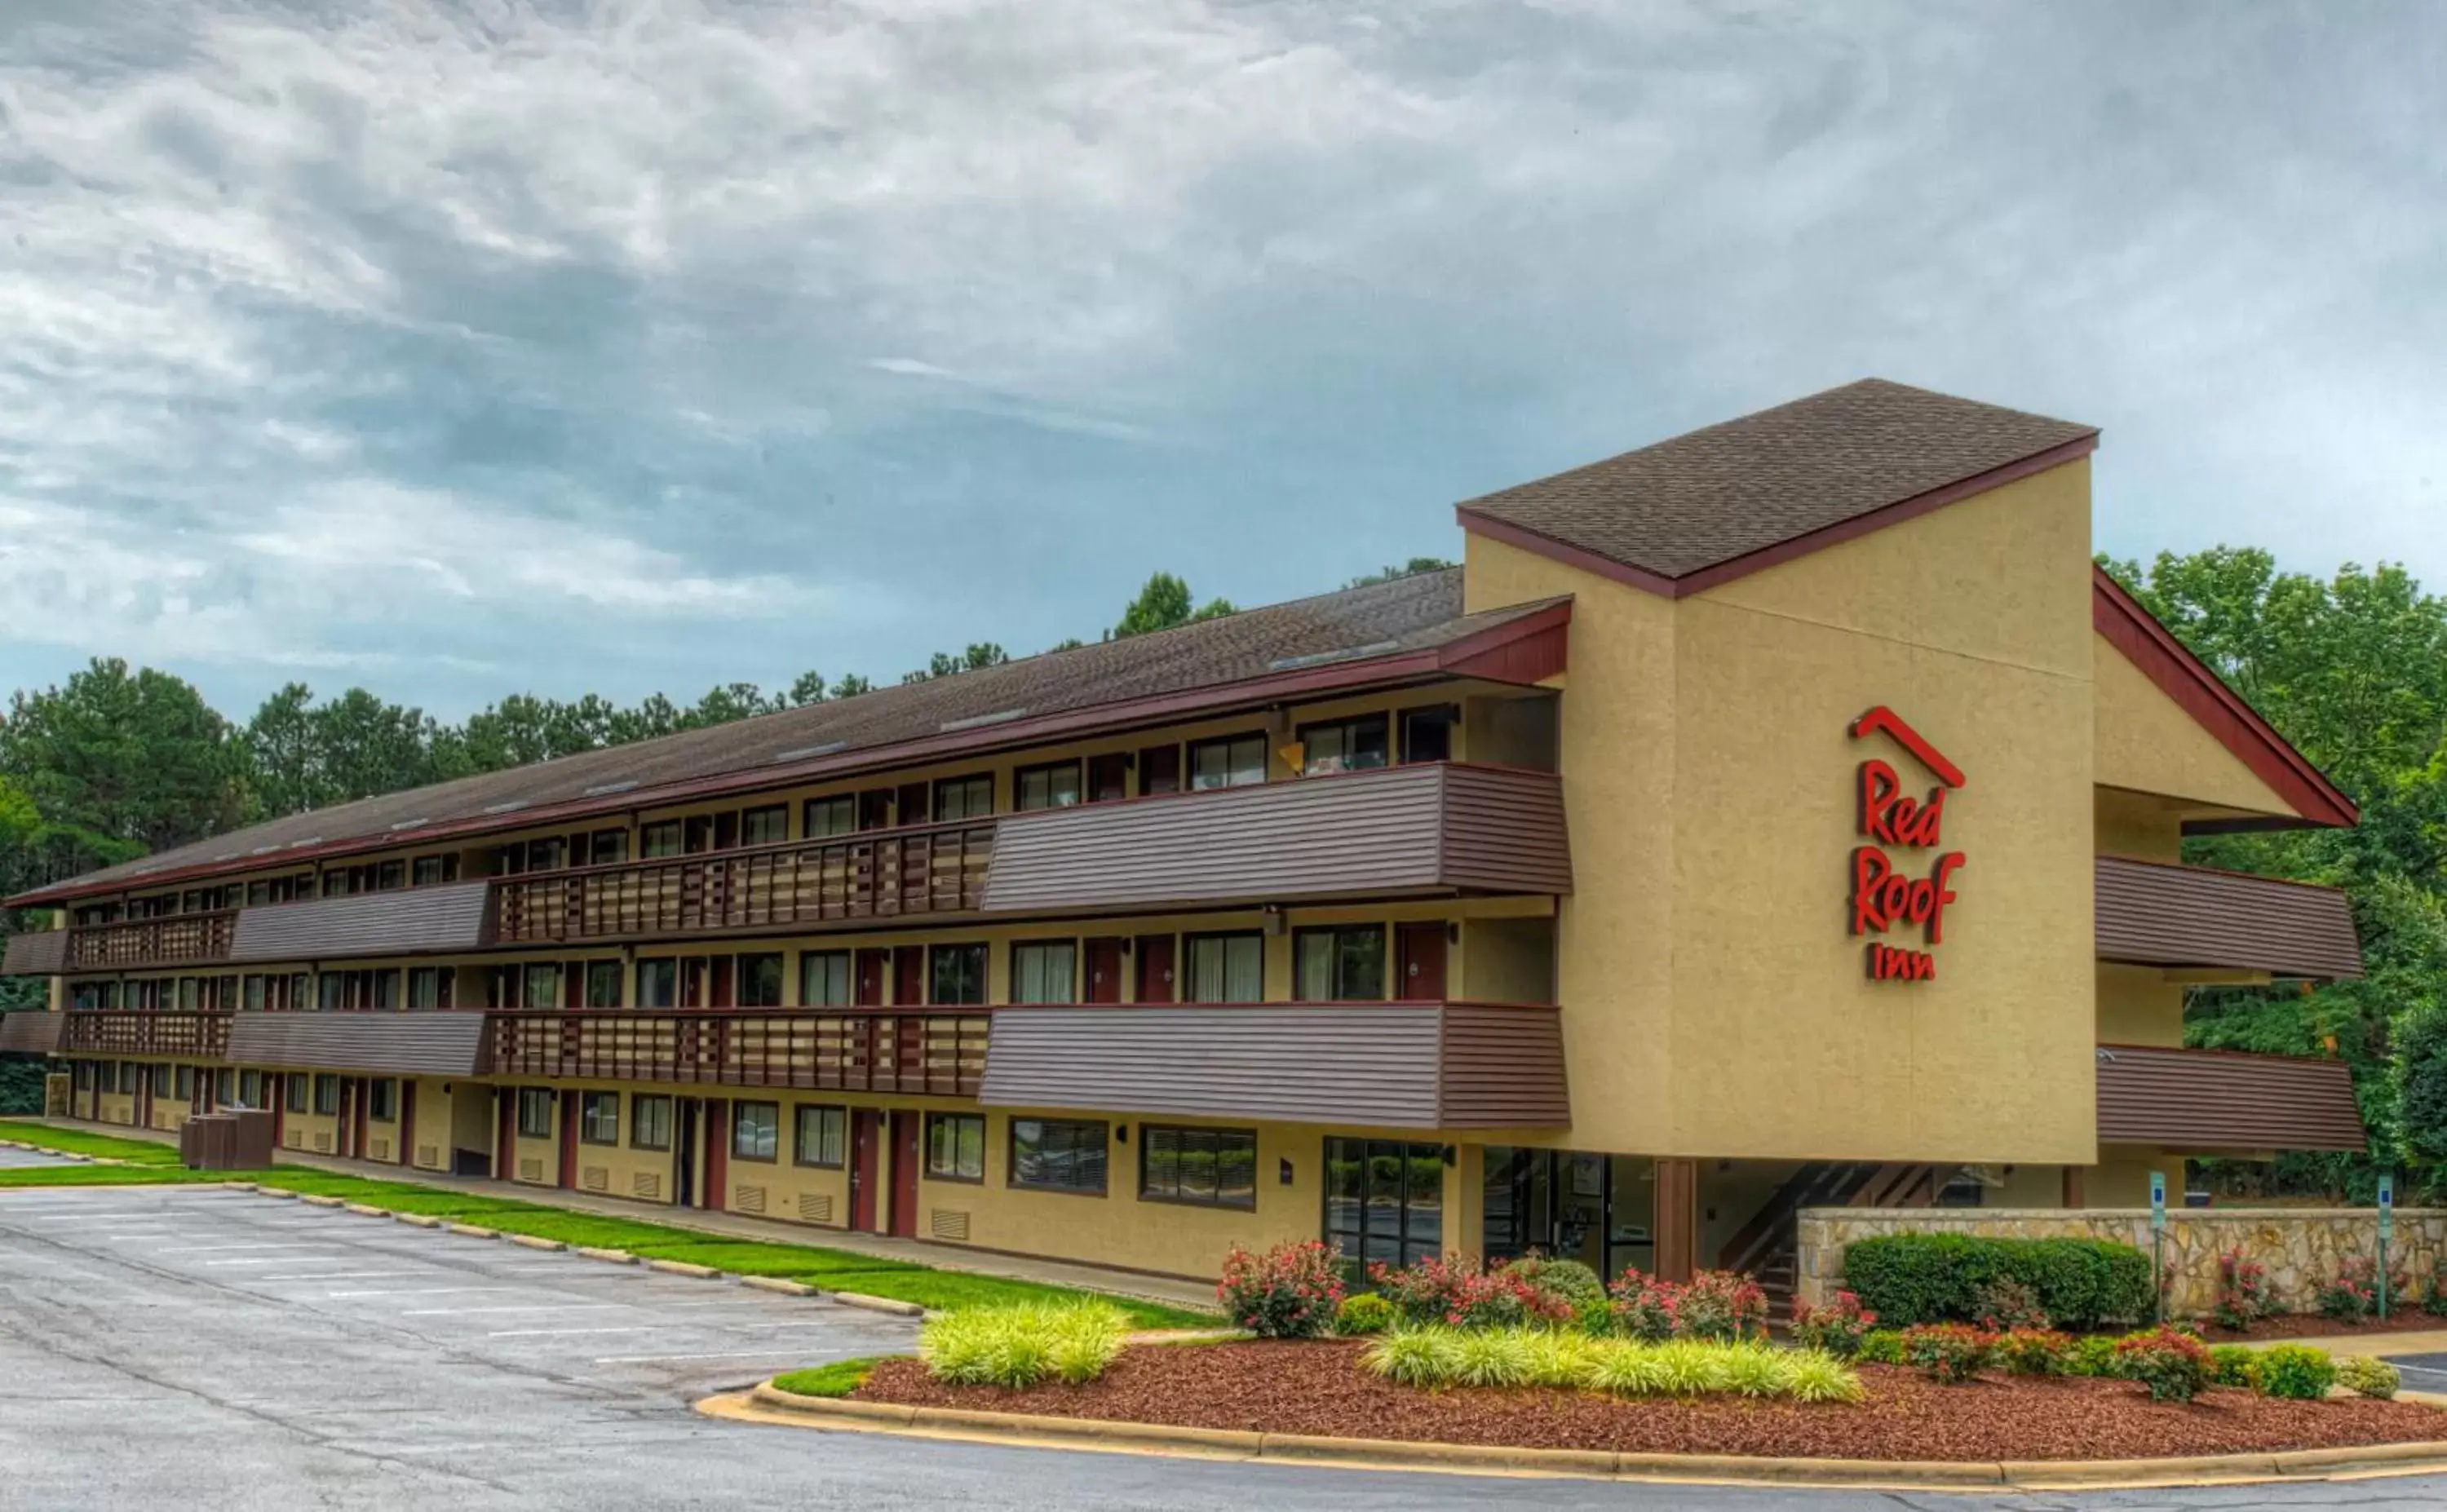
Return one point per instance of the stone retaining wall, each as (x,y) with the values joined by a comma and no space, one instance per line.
(2301,1247)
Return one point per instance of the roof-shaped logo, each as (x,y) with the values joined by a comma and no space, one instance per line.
(1885,720)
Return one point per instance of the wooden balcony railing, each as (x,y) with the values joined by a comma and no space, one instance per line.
(187,1036)
(879,874)
(170,941)
(939,1053)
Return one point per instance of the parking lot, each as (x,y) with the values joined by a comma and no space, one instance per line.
(212,1349)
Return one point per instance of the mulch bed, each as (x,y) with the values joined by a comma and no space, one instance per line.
(1320,1389)
(2319,1326)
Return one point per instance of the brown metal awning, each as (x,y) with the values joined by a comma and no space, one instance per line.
(30,1032)
(2223,1100)
(1389,1064)
(438,1043)
(452,917)
(36,953)
(2156,914)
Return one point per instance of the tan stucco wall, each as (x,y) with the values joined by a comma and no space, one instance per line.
(2139,1006)
(2146,742)
(1714,1003)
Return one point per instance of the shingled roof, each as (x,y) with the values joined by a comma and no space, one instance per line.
(1695,510)
(1383,631)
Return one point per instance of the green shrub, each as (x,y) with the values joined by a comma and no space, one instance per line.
(1880,1347)
(2367,1378)
(1908,1278)
(2174,1366)
(1835,1328)
(1018,1347)
(1363,1314)
(1568,1282)
(2093,1356)
(2232,1365)
(1952,1353)
(1817,1377)
(2034,1352)
(2296,1371)
(2243,1294)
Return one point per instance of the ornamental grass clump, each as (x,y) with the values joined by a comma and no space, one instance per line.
(1816,1377)
(1290,1292)
(1018,1347)
(1438,1357)
(2174,1366)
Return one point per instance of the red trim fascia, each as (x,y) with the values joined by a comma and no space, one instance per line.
(1718,574)
(1352,677)
(2184,677)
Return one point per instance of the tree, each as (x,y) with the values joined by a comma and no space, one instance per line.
(117,760)
(852,686)
(1164,603)
(807,688)
(1409,569)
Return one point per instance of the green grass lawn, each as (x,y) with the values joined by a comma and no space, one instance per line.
(840,1378)
(833,1270)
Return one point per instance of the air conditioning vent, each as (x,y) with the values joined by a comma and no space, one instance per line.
(322,1143)
(948,1224)
(647,1184)
(429,1156)
(747,1200)
(291,1140)
(598,1177)
(381,1149)
(815,1207)
(530,1170)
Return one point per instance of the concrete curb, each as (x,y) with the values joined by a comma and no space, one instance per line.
(423,1221)
(616,1256)
(473,1231)
(703,1273)
(780,1284)
(2033,1475)
(532,1241)
(366,1210)
(317,1200)
(877,1304)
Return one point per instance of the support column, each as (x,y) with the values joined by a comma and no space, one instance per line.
(1678,1218)
(2073,1185)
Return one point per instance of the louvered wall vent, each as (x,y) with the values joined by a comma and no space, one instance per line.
(747,1200)
(815,1207)
(949,1224)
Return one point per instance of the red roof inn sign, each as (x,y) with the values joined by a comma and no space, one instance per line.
(1885,895)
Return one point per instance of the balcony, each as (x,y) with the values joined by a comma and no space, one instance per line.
(897,874)
(942,1053)
(2188,918)
(171,1036)
(2213,1101)
(1447,1064)
(152,941)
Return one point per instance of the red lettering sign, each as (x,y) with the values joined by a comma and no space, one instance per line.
(1886,896)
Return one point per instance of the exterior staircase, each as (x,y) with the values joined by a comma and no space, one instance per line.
(1767,1247)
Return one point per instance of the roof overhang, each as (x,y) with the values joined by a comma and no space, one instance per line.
(1479,523)
(1526,649)
(2135,632)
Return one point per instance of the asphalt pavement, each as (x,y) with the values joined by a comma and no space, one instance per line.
(211,1349)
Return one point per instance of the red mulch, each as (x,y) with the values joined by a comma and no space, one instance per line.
(1320,1389)
(2319,1326)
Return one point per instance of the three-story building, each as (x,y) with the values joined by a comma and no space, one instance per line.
(1785,814)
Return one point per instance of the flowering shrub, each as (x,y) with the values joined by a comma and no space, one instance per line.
(1644,1306)
(1836,1329)
(2034,1352)
(1290,1292)
(1720,1305)
(2176,1366)
(2006,1303)
(2243,1296)
(2354,1292)
(1454,1293)
(1953,1353)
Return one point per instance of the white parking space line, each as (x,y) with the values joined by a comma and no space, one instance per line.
(426,1290)
(654,1359)
(274,1259)
(230,1248)
(551,1333)
(338,1276)
(535,1307)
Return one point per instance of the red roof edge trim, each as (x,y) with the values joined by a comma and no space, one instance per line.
(2200,692)
(1526,650)
(1783,551)
(1354,675)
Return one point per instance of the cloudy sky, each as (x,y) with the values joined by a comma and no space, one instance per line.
(471,348)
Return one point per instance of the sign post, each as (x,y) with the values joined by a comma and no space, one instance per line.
(2386,1231)
(2159,1239)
